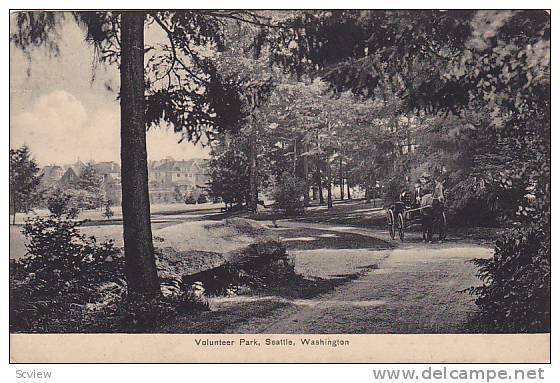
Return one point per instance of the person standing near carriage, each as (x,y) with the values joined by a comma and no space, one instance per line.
(417,193)
(421,188)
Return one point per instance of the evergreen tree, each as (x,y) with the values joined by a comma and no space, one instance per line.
(24,181)
(92,183)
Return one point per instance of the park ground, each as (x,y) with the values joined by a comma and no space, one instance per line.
(367,283)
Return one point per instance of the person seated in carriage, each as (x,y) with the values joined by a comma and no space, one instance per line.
(413,199)
(418,192)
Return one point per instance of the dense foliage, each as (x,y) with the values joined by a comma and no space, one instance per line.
(377,99)
(61,259)
(24,181)
(70,282)
(288,194)
(60,268)
(489,73)
(229,171)
(516,292)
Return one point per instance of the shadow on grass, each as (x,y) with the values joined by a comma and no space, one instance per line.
(225,318)
(313,239)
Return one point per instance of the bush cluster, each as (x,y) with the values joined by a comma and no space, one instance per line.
(263,265)
(60,271)
(190,200)
(61,259)
(68,282)
(288,194)
(393,189)
(515,294)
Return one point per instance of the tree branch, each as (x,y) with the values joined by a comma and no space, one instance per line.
(174,58)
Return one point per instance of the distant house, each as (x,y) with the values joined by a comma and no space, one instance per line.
(50,175)
(72,173)
(111,177)
(171,181)
(109,172)
(157,163)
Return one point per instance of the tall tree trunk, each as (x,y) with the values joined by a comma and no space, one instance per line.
(321,197)
(341,179)
(305,169)
(253,192)
(329,186)
(348,189)
(295,157)
(319,183)
(140,265)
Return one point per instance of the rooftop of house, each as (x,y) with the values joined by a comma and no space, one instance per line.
(107,167)
(77,167)
(51,172)
(184,165)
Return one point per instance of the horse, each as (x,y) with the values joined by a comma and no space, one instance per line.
(431,206)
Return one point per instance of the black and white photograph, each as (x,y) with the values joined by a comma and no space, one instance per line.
(314,173)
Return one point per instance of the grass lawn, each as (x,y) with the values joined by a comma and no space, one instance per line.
(169,209)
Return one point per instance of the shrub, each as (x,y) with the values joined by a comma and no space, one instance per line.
(68,282)
(84,199)
(472,203)
(144,315)
(190,200)
(201,199)
(393,189)
(70,197)
(515,295)
(288,194)
(60,203)
(60,259)
(59,274)
(60,271)
(259,266)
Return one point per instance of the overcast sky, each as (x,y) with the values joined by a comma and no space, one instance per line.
(61,115)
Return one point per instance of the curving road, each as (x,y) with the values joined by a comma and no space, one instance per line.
(415,288)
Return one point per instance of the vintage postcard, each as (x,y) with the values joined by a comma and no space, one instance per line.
(205,186)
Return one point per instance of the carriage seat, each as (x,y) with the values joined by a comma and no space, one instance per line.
(406,198)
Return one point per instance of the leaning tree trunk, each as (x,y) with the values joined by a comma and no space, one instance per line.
(140,266)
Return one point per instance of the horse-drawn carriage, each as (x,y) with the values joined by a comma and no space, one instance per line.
(429,212)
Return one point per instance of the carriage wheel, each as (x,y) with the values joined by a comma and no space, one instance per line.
(391,223)
(443,227)
(400,226)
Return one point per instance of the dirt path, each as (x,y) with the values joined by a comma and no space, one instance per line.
(416,289)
